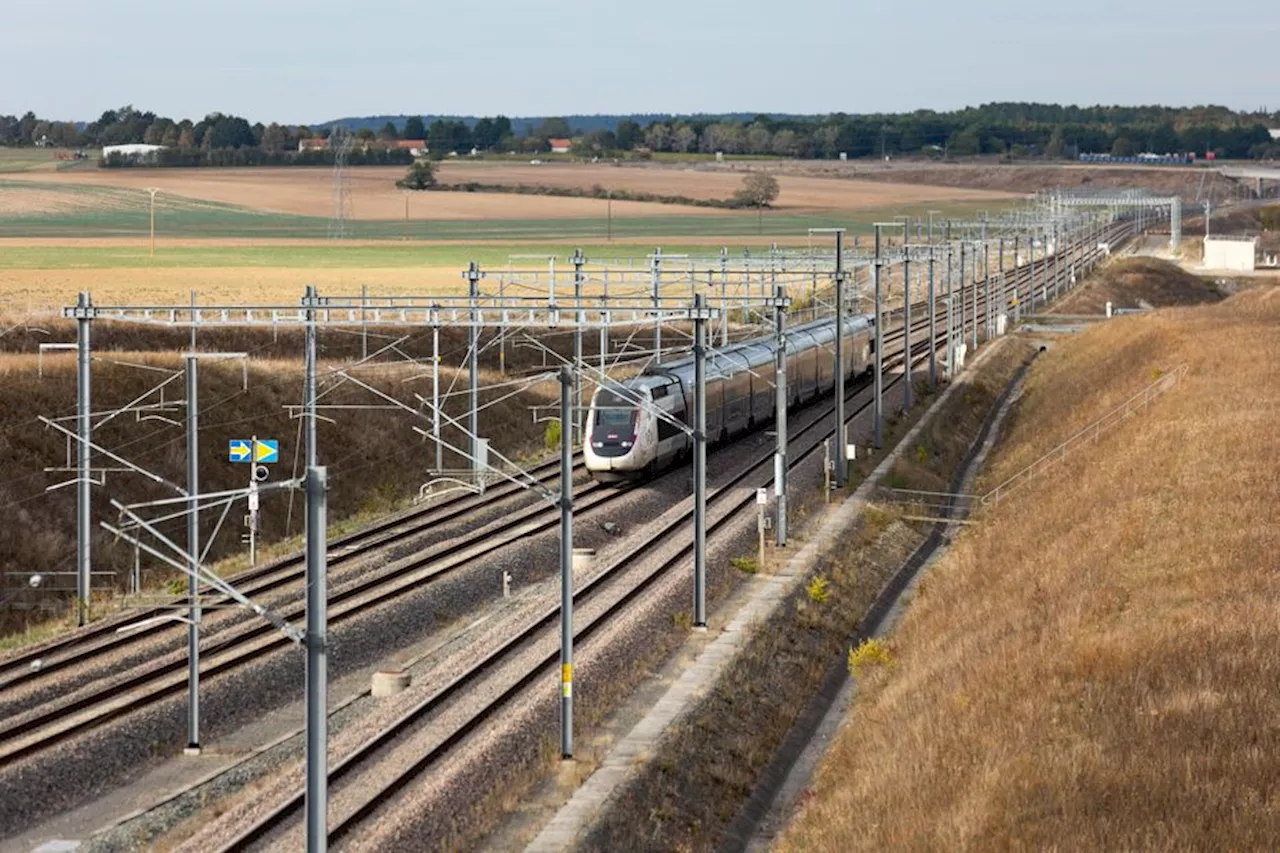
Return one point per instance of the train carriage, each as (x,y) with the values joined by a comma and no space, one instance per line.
(638,426)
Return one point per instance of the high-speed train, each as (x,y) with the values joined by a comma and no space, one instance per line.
(628,440)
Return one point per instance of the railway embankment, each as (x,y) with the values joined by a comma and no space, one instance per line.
(1091,665)
(376,462)
(685,789)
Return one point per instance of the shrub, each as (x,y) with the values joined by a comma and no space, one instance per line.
(551,435)
(747,565)
(421,176)
(869,653)
(819,589)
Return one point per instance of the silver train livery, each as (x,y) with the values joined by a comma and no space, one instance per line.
(627,440)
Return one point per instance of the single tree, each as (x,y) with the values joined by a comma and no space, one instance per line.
(628,134)
(553,128)
(485,134)
(421,176)
(388,131)
(758,190)
(414,128)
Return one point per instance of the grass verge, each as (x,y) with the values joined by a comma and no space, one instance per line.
(1093,667)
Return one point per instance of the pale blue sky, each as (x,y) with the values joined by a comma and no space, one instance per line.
(297,61)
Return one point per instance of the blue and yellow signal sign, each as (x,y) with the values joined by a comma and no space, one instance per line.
(257,450)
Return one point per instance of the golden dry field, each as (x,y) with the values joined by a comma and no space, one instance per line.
(1093,665)
(257,234)
(309,191)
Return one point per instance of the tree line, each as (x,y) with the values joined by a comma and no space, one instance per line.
(1008,129)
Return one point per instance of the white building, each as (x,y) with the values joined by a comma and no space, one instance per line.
(139,153)
(1275,134)
(1230,253)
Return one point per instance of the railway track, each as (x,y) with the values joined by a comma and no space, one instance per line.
(102,637)
(30,733)
(542,629)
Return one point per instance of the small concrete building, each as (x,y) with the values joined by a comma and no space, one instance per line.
(138,152)
(1230,253)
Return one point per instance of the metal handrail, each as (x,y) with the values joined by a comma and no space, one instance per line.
(1093,431)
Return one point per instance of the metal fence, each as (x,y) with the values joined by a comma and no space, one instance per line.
(1092,432)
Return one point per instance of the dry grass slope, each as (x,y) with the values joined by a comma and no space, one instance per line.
(1130,282)
(1094,667)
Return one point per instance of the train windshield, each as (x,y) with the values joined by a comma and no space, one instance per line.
(614,412)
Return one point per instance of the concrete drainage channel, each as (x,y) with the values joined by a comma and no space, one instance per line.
(575,824)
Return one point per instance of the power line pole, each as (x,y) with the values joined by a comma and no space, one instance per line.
(963,246)
(1001,290)
(193,549)
(435,387)
(579,259)
(906,322)
(724,296)
(655,272)
(152,191)
(317,722)
(566,563)
(84,591)
(699,465)
(473,276)
(986,283)
(309,380)
(974,304)
(841,455)
(780,416)
(933,316)
(878,406)
(951,323)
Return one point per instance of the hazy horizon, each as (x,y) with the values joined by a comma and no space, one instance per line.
(304,63)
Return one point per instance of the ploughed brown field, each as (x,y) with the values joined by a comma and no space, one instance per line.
(309,192)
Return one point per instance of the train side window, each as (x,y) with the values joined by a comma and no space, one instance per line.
(666,429)
(659,392)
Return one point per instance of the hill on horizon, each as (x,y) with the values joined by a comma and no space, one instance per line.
(521,125)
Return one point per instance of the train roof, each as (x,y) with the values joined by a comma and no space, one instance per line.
(758,351)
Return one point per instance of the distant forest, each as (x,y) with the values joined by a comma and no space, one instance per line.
(1008,129)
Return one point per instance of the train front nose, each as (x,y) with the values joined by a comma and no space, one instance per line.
(613,433)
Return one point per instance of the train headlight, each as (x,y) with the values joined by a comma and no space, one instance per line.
(597,444)
(626,444)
